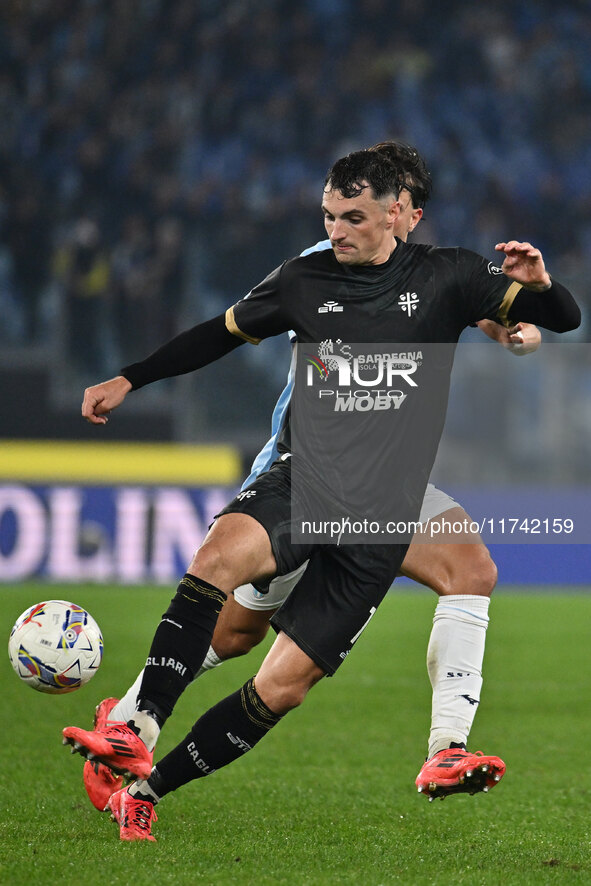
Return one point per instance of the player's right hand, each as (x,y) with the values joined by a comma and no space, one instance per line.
(99,400)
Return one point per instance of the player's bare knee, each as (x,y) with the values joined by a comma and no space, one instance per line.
(490,576)
(282,697)
(212,564)
(479,577)
(285,698)
(470,571)
(236,643)
(485,575)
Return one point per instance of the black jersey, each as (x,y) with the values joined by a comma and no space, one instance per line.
(377,344)
(421,294)
(375,354)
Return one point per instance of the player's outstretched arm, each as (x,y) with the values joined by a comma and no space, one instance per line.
(521,339)
(100,399)
(186,352)
(540,299)
(191,350)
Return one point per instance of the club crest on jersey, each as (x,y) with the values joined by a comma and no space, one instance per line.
(408,301)
(492,269)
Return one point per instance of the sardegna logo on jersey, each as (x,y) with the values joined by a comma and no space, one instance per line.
(365,382)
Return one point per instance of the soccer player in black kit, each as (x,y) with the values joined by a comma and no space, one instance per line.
(367,274)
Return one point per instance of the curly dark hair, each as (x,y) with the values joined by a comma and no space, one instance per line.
(368,168)
(417,178)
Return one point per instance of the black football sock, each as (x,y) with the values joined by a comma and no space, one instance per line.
(179,646)
(224,733)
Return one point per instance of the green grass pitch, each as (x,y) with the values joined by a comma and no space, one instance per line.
(328,797)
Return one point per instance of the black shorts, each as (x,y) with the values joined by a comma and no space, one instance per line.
(342,586)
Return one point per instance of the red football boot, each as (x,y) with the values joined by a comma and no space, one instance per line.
(457,771)
(99,781)
(117,746)
(134,817)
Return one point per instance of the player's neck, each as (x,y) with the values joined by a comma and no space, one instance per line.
(385,254)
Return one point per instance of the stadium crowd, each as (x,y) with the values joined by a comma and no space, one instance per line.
(159,157)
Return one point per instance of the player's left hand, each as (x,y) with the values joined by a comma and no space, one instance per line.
(524,264)
(522,339)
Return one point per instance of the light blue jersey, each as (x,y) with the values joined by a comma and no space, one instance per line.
(269,453)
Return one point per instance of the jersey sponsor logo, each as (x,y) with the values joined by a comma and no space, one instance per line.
(492,269)
(320,367)
(330,307)
(408,301)
(374,373)
(366,401)
(353,370)
(248,493)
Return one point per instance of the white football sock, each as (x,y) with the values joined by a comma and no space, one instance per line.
(125,708)
(454,662)
(142,790)
(211,660)
(146,727)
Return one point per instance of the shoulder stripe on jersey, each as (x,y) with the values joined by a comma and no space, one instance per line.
(233,327)
(507,302)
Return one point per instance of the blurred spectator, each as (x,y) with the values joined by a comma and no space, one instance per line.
(147,270)
(27,240)
(82,264)
(12,321)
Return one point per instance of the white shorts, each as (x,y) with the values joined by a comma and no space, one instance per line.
(435,502)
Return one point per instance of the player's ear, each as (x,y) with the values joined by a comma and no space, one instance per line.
(394,210)
(415,218)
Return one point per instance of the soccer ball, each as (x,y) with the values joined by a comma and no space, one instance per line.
(55,646)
